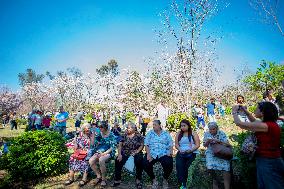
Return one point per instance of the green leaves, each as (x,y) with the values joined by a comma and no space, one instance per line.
(268,76)
(173,121)
(36,154)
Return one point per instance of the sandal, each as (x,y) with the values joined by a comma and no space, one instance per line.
(103,183)
(68,182)
(139,185)
(97,181)
(82,182)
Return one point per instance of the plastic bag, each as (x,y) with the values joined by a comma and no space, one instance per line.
(129,165)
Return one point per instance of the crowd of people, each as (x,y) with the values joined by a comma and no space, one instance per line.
(97,142)
(158,146)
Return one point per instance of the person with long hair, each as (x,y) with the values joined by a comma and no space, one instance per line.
(269,164)
(186,142)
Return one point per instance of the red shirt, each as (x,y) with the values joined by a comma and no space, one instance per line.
(268,143)
(46,122)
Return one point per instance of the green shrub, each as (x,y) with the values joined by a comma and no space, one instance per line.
(130,116)
(22,122)
(198,175)
(245,167)
(36,154)
(174,120)
(252,108)
(88,117)
(228,110)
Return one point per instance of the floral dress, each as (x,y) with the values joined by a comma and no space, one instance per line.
(213,162)
(130,145)
(110,140)
(80,165)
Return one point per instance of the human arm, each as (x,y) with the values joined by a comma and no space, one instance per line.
(177,142)
(119,156)
(171,145)
(238,108)
(255,126)
(196,141)
(206,139)
(149,157)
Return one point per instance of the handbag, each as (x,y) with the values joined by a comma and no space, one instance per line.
(80,154)
(129,164)
(102,148)
(249,146)
(222,151)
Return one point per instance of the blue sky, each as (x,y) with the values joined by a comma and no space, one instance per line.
(52,35)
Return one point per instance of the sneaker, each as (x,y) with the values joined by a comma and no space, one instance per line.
(165,184)
(155,184)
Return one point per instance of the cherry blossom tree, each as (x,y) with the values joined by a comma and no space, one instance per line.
(9,101)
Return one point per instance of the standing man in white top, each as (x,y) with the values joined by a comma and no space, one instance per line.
(163,113)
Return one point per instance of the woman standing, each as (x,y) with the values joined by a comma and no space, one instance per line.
(269,164)
(132,144)
(104,149)
(213,163)
(81,143)
(186,142)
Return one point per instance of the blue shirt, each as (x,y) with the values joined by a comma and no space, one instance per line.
(210,109)
(62,116)
(158,145)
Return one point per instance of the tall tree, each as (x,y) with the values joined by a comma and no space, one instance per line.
(268,76)
(183,25)
(113,67)
(103,70)
(9,101)
(30,76)
(269,12)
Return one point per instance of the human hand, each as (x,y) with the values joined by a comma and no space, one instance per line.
(119,157)
(149,158)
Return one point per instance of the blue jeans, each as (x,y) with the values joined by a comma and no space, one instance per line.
(200,120)
(270,173)
(38,127)
(61,130)
(182,166)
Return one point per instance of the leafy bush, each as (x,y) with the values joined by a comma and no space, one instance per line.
(245,167)
(22,122)
(130,116)
(228,110)
(88,117)
(36,154)
(174,120)
(252,108)
(198,175)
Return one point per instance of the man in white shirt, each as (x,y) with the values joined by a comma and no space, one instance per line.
(163,113)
